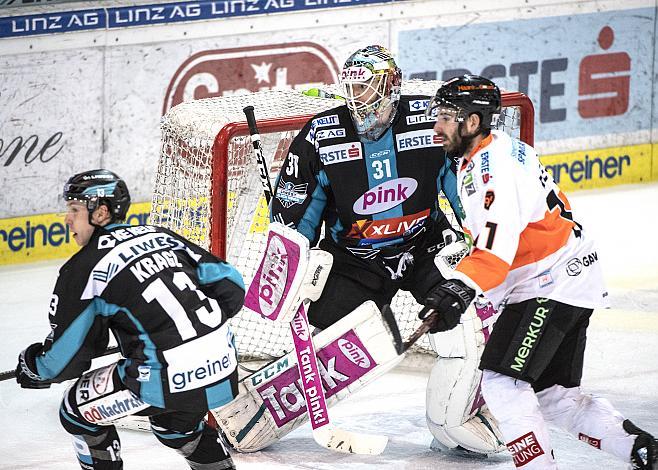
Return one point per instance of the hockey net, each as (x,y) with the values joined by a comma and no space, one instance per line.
(207,186)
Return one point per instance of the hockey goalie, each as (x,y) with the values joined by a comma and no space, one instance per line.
(351,353)
(361,181)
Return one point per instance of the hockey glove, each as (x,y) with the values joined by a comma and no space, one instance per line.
(25,374)
(450,298)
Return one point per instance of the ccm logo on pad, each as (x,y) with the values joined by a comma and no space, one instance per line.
(385,196)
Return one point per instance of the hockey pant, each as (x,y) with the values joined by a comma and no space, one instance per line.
(456,413)
(523,416)
(97,399)
(532,370)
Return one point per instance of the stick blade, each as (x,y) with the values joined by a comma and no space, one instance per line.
(348,442)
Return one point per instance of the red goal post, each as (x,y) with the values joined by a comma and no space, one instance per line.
(207,185)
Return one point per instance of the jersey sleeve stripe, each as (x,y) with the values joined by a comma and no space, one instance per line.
(541,239)
(484,268)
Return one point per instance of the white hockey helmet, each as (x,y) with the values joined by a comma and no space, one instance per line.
(371,84)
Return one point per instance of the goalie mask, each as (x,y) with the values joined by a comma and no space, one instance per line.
(371,84)
(97,187)
(462,96)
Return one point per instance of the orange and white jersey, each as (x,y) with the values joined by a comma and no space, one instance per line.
(526,243)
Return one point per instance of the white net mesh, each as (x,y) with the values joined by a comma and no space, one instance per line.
(184,194)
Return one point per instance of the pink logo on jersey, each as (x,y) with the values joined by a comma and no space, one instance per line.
(385,196)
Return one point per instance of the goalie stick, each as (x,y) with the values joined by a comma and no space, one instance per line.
(324,432)
(258,151)
(402,347)
(10,374)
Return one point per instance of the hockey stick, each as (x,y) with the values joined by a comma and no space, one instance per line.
(402,347)
(324,433)
(258,151)
(10,374)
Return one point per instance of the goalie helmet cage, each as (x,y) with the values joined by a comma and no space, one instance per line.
(207,186)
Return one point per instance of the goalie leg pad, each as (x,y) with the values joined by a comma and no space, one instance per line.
(456,414)
(352,353)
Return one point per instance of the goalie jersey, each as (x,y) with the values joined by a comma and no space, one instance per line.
(167,302)
(369,194)
(526,242)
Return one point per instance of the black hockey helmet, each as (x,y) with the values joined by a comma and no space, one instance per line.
(469,94)
(98,187)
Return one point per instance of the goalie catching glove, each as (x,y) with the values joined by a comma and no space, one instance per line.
(450,298)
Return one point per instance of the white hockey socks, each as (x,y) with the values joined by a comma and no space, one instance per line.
(588,418)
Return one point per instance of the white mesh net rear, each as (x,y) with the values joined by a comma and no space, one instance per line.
(184,196)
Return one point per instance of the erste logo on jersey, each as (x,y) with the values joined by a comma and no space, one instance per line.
(341,153)
(377,230)
(484,167)
(385,196)
(423,138)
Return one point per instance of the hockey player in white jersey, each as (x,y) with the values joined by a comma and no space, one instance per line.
(534,261)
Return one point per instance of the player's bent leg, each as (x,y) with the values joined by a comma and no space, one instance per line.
(352,353)
(189,435)
(456,414)
(88,410)
(593,420)
(520,420)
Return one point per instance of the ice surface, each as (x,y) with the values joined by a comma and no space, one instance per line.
(620,364)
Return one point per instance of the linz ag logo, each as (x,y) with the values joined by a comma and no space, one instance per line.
(341,153)
(237,71)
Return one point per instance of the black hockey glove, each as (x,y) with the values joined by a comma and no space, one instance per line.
(450,298)
(25,374)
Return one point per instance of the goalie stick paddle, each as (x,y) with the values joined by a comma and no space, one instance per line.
(10,374)
(324,433)
(258,151)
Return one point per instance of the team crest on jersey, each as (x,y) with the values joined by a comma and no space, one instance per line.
(469,184)
(290,194)
(341,153)
(418,105)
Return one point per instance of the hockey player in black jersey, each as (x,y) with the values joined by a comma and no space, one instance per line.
(369,173)
(167,302)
